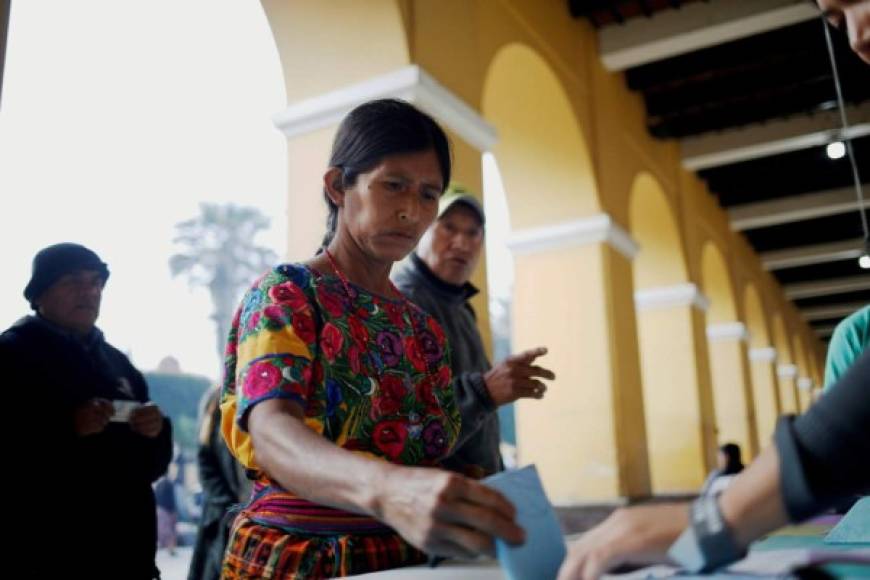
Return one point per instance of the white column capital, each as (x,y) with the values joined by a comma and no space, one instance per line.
(595,229)
(409,83)
(725,331)
(805,383)
(786,371)
(660,297)
(763,354)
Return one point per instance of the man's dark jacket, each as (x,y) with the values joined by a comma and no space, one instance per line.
(84,506)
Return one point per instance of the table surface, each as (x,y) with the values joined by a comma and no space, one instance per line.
(789,544)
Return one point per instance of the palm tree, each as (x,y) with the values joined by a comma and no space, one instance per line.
(218,252)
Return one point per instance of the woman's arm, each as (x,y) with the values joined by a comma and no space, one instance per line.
(437,511)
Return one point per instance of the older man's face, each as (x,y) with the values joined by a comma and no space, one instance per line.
(73,302)
(852,16)
(451,246)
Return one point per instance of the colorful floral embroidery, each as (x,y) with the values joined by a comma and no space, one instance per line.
(365,377)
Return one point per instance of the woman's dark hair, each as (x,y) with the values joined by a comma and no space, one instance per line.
(375,130)
(733,464)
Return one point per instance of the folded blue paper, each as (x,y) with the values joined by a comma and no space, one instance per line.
(541,555)
(854,528)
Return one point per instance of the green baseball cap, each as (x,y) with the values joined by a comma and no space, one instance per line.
(458,194)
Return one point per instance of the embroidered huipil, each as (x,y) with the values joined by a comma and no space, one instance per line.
(372,375)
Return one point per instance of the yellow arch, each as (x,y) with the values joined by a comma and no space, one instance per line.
(763,372)
(780,341)
(733,398)
(352,41)
(756,321)
(787,384)
(716,281)
(804,371)
(549,179)
(545,162)
(662,261)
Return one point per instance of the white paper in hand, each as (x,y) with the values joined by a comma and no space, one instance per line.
(542,554)
(123,408)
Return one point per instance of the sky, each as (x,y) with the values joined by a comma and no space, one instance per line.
(117,120)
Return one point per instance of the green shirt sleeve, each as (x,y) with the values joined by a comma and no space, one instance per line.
(849,340)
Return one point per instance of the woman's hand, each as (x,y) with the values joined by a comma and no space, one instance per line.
(639,535)
(445,513)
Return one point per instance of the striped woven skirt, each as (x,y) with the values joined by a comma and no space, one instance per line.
(283,537)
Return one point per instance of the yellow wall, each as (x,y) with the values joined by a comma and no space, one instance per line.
(764,385)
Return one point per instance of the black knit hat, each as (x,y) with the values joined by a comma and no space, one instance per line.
(55,261)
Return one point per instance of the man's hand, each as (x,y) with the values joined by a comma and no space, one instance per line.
(147,420)
(514,378)
(92,417)
(639,535)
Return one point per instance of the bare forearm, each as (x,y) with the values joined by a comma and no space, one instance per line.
(302,461)
(752,505)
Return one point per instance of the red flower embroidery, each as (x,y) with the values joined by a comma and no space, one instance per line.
(290,294)
(353,354)
(261,378)
(358,331)
(275,314)
(385,406)
(389,438)
(331,301)
(436,330)
(393,387)
(394,313)
(389,400)
(331,341)
(443,377)
(303,324)
(425,392)
(414,354)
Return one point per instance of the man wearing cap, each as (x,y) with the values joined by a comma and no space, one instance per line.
(90,443)
(436,277)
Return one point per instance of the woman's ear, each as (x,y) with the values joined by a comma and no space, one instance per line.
(333,187)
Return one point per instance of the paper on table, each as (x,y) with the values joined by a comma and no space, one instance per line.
(541,555)
(854,528)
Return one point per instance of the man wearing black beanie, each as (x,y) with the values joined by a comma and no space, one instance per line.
(91,443)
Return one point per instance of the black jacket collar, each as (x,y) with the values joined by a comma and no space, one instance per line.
(458,293)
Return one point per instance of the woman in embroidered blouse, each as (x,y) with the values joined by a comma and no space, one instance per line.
(337,390)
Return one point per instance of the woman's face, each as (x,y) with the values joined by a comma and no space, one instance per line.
(853,16)
(389,207)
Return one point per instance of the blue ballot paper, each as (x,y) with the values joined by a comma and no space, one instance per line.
(854,528)
(542,554)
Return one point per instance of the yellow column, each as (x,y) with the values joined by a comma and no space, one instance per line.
(788,397)
(765,390)
(308,156)
(732,392)
(572,294)
(677,394)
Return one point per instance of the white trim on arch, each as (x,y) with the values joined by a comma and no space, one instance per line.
(410,83)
